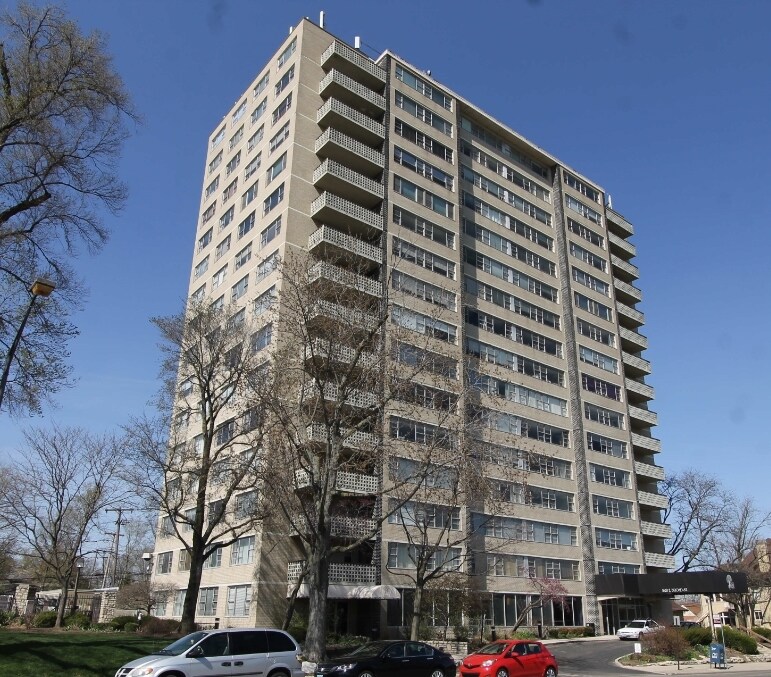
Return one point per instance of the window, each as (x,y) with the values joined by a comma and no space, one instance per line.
(283,107)
(551,534)
(509,247)
(238,113)
(218,304)
(611,476)
(201,268)
(423,290)
(204,240)
(283,83)
(617,540)
(243,256)
(270,232)
(423,258)
(253,166)
(600,387)
(217,138)
(207,602)
(422,433)
(239,288)
(425,169)
(604,416)
(424,197)
(587,233)
(581,187)
(553,569)
(509,274)
(183,560)
(424,324)
(583,210)
(284,57)
(267,266)
(514,392)
(409,133)
(236,138)
(264,301)
(262,338)
(279,137)
(426,360)
(258,112)
(179,600)
(167,527)
(227,218)
(233,163)
(496,142)
(242,551)
(262,83)
(251,144)
(214,559)
(496,325)
(595,333)
(222,248)
(219,277)
(164,563)
(590,281)
(211,188)
(587,257)
(239,599)
(230,191)
(246,225)
(617,568)
(598,359)
(208,212)
(509,360)
(612,507)
(510,302)
(421,113)
(249,195)
(276,168)
(198,294)
(215,162)
(245,504)
(273,199)
(423,228)
(606,445)
(420,85)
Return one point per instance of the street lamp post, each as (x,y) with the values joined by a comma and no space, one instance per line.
(78,566)
(40,287)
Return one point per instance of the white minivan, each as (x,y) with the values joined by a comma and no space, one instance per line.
(230,652)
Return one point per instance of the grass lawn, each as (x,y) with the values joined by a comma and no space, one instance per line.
(42,653)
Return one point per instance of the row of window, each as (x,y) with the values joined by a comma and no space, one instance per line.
(524,530)
(506,422)
(514,250)
(581,187)
(424,141)
(424,228)
(519,459)
(429,171)
(420,85)
(423,290)
(510,302)
(241,552)
(424,324)
(522,365)
(513,332)
(509,274)
(424,197)
(422,113)
(514,392)
(239,598)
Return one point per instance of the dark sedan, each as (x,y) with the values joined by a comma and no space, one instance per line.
(396,658)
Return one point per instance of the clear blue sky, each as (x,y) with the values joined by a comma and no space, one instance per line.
(666,104)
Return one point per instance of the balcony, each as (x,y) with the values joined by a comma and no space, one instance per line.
(626,292)
(347,215)
(339,179)
(647,417)
(352,527)
(624,269)
(635,366)
(338,146)
(655,529)
(637,340)
(647,443)
(336,114)
(339,572)
(351,316)
(333,244)
(354,398)
(653,500)
(655,472)
(659,560)
(347,60)
(348,482)
(338,354)
(353,439)
(623,248)
(641,389)
(353,93)
(632,316)
(620,223)
(346,278)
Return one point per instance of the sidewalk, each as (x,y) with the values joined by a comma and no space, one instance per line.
(695,670)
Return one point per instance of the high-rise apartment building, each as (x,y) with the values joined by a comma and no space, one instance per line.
(394,182)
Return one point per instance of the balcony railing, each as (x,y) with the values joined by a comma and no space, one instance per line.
(354,398)
(352,483)
(347,278)
(337,114)
(316,432)
(655,472)
(625,311)
(654,529)
(351,316)
(352,527)
(654,500)
(627,289)
(336,177)
(649,417)
(334,144)
(642,389)
(635,363)
(624,246)
(633,337)
(647,443)
(337,210)
(339,572)
(614,217)
(656,559)
(630,269)
(338,244)
(338,354)
(344,58)
(340,85)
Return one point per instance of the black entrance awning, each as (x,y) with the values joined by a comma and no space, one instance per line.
(666,585)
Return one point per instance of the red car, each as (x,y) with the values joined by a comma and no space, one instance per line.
(510,658)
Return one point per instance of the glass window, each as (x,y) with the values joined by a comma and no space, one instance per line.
(239,600)
(242,551)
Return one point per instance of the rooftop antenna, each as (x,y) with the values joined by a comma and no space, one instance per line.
(610,201)
(321,19)
(357,42)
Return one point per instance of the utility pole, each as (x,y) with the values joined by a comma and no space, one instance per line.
(118,522)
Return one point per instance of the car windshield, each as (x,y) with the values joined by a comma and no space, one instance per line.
(370,649)
(493,649)
(636,624)
(181,645)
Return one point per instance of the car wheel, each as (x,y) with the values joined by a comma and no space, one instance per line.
(550,672)
(366,673)
(436,672)
(501,672)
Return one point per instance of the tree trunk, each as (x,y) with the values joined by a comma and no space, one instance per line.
(191,598)
(417,611)
(62,606)
(291,603)
(318,586)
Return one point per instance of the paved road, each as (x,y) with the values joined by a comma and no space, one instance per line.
(594,658)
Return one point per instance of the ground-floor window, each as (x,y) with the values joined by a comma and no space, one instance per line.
(507,608)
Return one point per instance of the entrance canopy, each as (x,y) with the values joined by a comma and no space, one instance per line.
(354,592)
(666,585)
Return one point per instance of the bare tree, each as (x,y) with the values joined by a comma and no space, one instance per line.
(198,460)
(64,479)
(64,115)
(698,509)
(546,590)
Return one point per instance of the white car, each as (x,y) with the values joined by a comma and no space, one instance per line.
(634,629)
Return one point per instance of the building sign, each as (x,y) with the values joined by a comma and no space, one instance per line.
(691,582)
